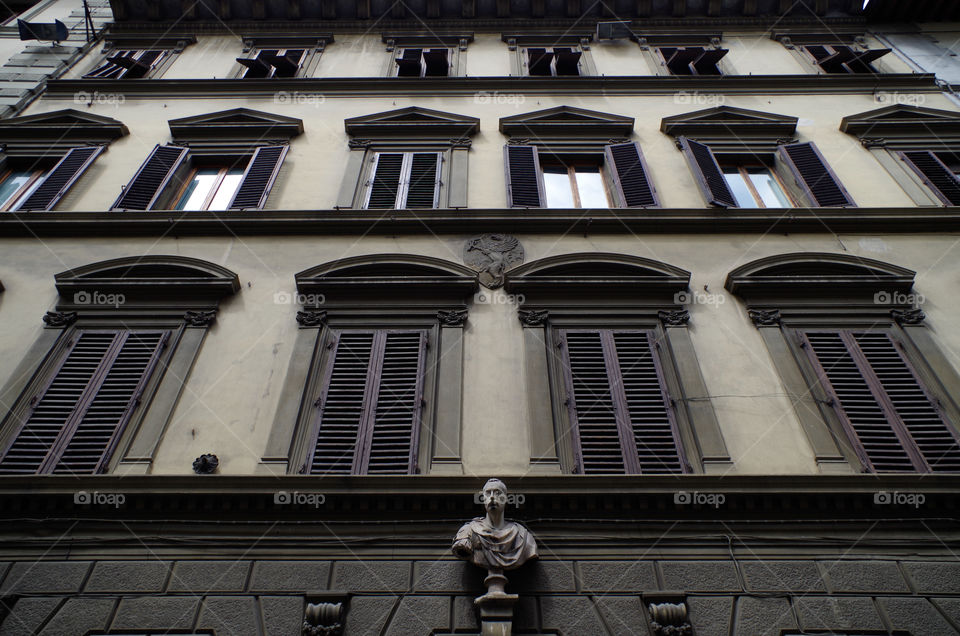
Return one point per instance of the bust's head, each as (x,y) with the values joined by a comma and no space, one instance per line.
(494,494)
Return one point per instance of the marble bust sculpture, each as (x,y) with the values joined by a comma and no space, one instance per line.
(492,542)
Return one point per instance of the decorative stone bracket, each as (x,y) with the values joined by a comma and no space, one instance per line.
(325,614)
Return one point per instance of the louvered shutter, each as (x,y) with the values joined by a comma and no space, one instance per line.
(631,176)
(369,411)
(524,179)
(74,424)
(935,174)
(814,176)
(155,173)
(707,172)
(424,180)
(258,178)
(618,404)
(895,425)
(60,178)
(385,183)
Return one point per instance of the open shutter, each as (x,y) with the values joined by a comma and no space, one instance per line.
(935,174)
(618,404)
(539,61)
(395,421)
(258,178)
(814,176)
(142,191)
(524,179)
(424,181)
(435,63)
(631,176)
(75,422)
(410,63)
(707,172)
(61,177)
(894,424)
(385,182)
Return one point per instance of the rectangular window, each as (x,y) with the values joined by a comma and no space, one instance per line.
(404,180)
(893,423)
(128,64)
(939,172)
(553,61)
(620,412)
(17,185)
(75,421)
(756,186)
(369,411)
(574,184)
(420,62)
(209,188)
(273,63)
(33,184)
(843,58)
(692,60)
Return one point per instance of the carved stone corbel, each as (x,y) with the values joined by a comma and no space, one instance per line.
(463,142)
(323,619)
(463,44)
(452,317)
(585,44)
(518,141)
(674,317)
(311,317)
(60,318)
(200,318)
(669,619)
(621,140)
(357,144)
(533,317)
(908,316)
(873,142)
(764,317)
(512,44)
(644,44)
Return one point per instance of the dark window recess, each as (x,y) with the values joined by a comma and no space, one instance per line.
(273,63)
(559,61)
(894,424)
(74,423)
(692,60)
(259,177)
(844,59)
(936,174)
(151,178)
(814,176)
(708,173)
(61,178)
(423,63)
(404,180)
(524,185)
(619,408)
(368,413)
(127,64)
(631,176)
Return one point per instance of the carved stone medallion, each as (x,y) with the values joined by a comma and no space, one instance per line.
(492,255)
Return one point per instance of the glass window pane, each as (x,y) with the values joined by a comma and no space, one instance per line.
(198,189)
(556,183)
(768,188)
(12,184)
(741,192)
(590,187)
(228,188)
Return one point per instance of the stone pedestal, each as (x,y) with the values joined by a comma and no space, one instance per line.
(496,607)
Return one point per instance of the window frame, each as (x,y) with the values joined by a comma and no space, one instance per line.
(455,43)
(34,180)
(170,48)
(798,44)
(519,44)
(663,61)
(742,169)
(223,171)
(403,185)
(571,168)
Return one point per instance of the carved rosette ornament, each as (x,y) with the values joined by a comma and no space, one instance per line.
(533,317)
(452,317)
(908,316)
(764,317)
(60,318)
(200,318)
(497,545)
(674,318)
(206,464)
(311,318)
(492,255)
(669,619)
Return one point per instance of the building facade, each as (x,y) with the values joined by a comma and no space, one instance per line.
(285,282)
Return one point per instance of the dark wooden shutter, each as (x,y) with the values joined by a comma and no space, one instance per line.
(385,183)
(935,174)
(631,176)
(61,177)
(424,180)
(369,410)
(524,180)
(708,174)
(142,191)
(814,176)
(894,424)
(258,178)
(75,422)
(435,63)
(619,408)
(410,63)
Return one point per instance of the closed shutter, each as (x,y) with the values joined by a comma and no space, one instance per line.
(424,181)
(73,426)
(369,410)
(935,174)
(524,180)
(61,177)
(142,191)
(895,425)
(631,176)
(619,408)
(708,174)
(258,178)
(385,183)
(814,176)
